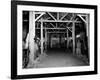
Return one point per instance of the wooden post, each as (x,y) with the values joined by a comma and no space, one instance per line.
(41,37)
(45,39)
(31,36)
(73,37)
(87,24)
(87,32)
(67,39)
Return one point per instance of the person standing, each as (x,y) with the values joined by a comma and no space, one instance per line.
(78,48)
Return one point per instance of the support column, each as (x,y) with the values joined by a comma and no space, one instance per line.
(31,36)
(67,39)
(41,37)
(87,32)
(73,37)
(87,24)
(45,39)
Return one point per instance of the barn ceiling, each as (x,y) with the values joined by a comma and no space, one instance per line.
(57,21)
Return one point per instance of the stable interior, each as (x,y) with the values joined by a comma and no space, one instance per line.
(59,32)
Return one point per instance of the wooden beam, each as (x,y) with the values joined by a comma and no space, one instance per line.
(61,24)
(52,25)
(39,12)
(51,16)
(31,37)
(73,37)
(72,18)
(39,16)
(87,25)
(64,16)
(45,39)
(41,37)
(82,14)
(52,28)
(56,32)
(69,29)
(87,32)
(59,21)
(82,18)
(67,39)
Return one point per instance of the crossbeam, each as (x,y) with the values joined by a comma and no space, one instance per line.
(69,29)
(58,21)
(52,25)
(82,18)
(56,32)
(51,16)
(72,18)
(39,16)
(39,12)
(82,14)
(51,28)
(64,16)
(61,24)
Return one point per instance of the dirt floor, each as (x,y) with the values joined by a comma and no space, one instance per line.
(59,58)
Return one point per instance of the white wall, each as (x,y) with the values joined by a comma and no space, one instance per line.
(5,29)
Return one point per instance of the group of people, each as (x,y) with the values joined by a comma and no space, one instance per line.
(28,56)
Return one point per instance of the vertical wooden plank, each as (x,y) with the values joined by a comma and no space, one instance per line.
(31,36)
(87,32)
(67,39)
(73,37)
(87,24)
(45,38)
(41,37)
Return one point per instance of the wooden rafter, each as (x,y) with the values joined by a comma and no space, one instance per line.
(39,16)
(61,24)
(87,25)
(52,25)
(52,28)
(51,16)
(72,18)
(39,12)
(55,32)
(82,14)
(58,21)
(82,18)
(64,16)
(69,29)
